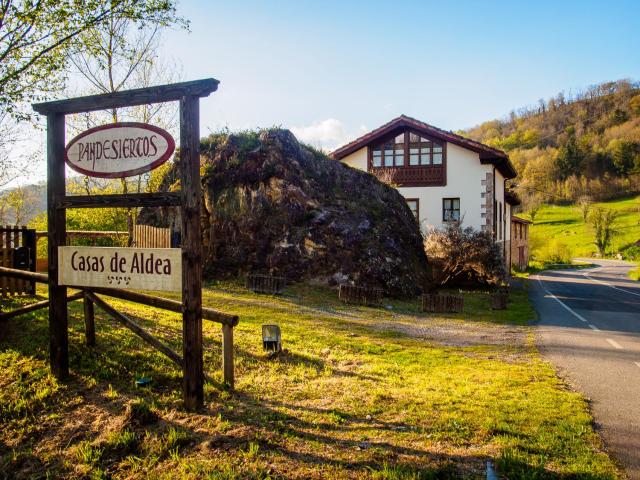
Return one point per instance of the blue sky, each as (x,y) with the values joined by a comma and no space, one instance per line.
(332,69)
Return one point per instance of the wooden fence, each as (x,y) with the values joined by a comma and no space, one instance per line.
(146,236)
(90,297)
(360,295)
(17,250)
(442,303)
(265,284)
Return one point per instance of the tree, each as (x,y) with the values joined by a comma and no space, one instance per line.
(18,206)
(534,208)
(569,157)
(465,253)
(36,38)
(623,155)
(602,221)
(584,204)
(11,136)
(119,55)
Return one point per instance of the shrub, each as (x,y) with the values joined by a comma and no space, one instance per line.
(553,251)
(464,254)
(631,253)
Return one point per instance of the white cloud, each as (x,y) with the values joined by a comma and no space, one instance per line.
(326,134)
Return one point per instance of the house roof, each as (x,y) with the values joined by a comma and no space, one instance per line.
(487,154)
(520,220)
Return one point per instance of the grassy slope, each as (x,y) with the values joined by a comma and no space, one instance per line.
(565,222)
(350,399)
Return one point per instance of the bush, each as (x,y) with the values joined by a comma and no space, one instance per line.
(553,251)
(632,253)
(463,255)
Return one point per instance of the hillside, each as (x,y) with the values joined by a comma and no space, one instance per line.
(563,224)
(573,145)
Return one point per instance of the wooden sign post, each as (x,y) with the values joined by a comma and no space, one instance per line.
(125,152)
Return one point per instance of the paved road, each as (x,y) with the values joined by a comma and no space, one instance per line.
(589,328)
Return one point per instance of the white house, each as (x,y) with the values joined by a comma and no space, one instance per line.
(443,176)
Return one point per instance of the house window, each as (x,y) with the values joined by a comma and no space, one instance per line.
(389,154)
(414,206)
(420,151)
(450,209)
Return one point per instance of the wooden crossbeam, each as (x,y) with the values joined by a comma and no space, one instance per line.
(130,98)
(35,306)
(160,199)
(24,274)
(135,328)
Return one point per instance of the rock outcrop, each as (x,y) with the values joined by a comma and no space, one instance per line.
(272,205)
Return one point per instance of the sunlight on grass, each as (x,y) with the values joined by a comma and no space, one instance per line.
(564,222)
(359,392)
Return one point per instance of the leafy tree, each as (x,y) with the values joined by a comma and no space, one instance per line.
(21,204)
(534,208)
(634,104)
(117,55)
(570,156)
(584,204)
(623,154)
(36,38)
(602,221)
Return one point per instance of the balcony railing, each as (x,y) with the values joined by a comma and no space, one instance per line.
(417,176)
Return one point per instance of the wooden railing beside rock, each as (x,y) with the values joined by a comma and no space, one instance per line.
(436,303)
(265,284)
(359,295)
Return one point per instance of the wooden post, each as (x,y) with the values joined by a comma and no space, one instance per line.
(227,355)
(193,377)
(89,321)
(58,323)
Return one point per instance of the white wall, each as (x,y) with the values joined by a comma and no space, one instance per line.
(357,159)
(464,180)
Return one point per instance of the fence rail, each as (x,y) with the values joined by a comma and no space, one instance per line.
(227,321)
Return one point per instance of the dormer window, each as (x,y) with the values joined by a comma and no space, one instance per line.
(407,149)
(390,153)
(408,158)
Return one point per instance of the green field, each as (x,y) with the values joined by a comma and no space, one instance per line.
(364,393)
(565,223)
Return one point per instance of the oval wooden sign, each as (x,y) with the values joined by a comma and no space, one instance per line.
(119,150)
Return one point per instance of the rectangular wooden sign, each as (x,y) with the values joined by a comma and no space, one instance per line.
(117,267)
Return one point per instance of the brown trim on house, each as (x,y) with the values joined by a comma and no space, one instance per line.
(520,220)
(410,175)
(487,154)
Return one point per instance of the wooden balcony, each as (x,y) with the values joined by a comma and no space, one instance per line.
(413,176)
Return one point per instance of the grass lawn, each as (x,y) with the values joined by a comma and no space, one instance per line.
(565,222)
(365,393)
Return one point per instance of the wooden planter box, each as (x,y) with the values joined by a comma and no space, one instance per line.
(360,295)
(499,300)
(266,284)
(442,303)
